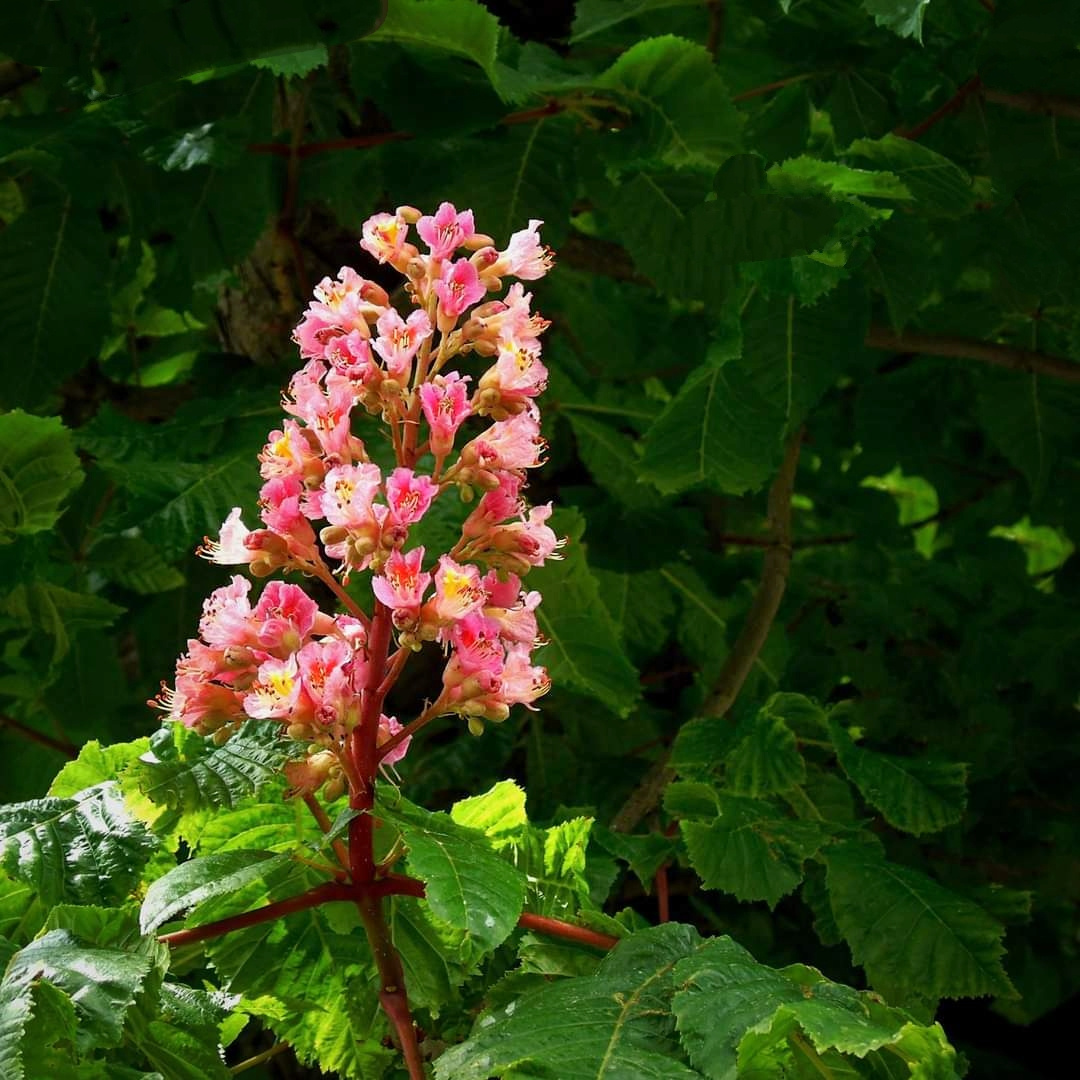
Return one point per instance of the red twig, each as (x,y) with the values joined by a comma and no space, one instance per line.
(954,103)
(321,894)
(663,898)
(558,928)
(61,746)
(768,88)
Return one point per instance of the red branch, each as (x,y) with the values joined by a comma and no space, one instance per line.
(558,928)
(973,85)
(61,746)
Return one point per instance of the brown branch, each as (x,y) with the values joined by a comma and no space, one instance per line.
(61,746)
(989,5)
(1006,356)
(768,88)
(952,105)
(321,894)
(740,661)
(715,37)
(1047,104)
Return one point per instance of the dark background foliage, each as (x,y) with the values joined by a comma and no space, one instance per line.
(854,220)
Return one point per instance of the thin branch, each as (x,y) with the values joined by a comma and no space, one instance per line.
(770,591)
(397,662)
(1046,104)
(740,661)
(1006,356)
(319,814)
(768,88)
(557,928)
(432,712)
(260,1059)
(351,606)
(715,37)
(61,746)
(952,105)
(321,894)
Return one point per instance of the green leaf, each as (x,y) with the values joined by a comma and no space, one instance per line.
(38,471)
(917,500)
(583,653)
(53,310)
(172,40)
(739,1017)
(796,175)
(1045,547)
(766,758)
(609,455)
(102,983)
(462,27)
(199,879)
(296,64)
(186,771)
(592,17)
(87,848)
(94,764)
(436,958)
(916,796)
(499,813)
(682,111)
(750,850)
(136,564)
(903,17)
(719,432)
(939,187)
(922,937)
(53,612)
(616,1022)
(16,1009)
(468,885)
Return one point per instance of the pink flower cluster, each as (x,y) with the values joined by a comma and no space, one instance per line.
(329,511)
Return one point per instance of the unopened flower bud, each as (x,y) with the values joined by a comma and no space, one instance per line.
(409,213)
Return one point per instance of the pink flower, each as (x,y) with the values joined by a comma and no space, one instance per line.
(280,502)
(401,585)
(339,307)
(446,231)
(325,411)
(457,289)
(509,444)
(229,549)
(525,257)
(350,355)
(496,506)
(292,451)
(409,496)
(275,691)
(384,236)
(227,616)
(199,704)
(346,495)
(531,540)
(286,615)
(478,645)
(445,402)
(522,683)
(326,673)
(400,338)
(388,728)
(458,590)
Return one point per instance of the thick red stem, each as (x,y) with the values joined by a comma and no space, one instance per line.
(558,928)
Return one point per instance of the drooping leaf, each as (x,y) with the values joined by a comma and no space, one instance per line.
(38,471)
(938,185)
(750,849)
(1045,548)
(918,796)
(615,1022)
(924,939)
(87,848)
(54,311)
(199,879)
(740,1018)
(584,651)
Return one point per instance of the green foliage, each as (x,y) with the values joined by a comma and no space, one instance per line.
(748,202)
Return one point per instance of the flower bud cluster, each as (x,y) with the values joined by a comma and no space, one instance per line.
(330,512)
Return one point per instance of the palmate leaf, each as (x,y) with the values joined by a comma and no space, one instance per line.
(919,935)
(683,114)
(38,470)
(584,652)
(185,771)
(739,1018)
(468,886)
(916,796)
(87,848)
(53,311)
(616,1022)
(766,758)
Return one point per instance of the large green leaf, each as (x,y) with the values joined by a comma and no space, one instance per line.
(682,112)
(38,471)
(174,39)
(766,758)
(923,938)
(938,185)
(186,771)
(49,611)
(740,1018)
(199,879)
(918,796)
(16,1009)
(467,884)
(53,310)
(719,431)
(750,849)
(583,653)
(86,848)
(102,983)
(616,1022)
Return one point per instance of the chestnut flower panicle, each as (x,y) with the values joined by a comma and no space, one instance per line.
(330,512)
